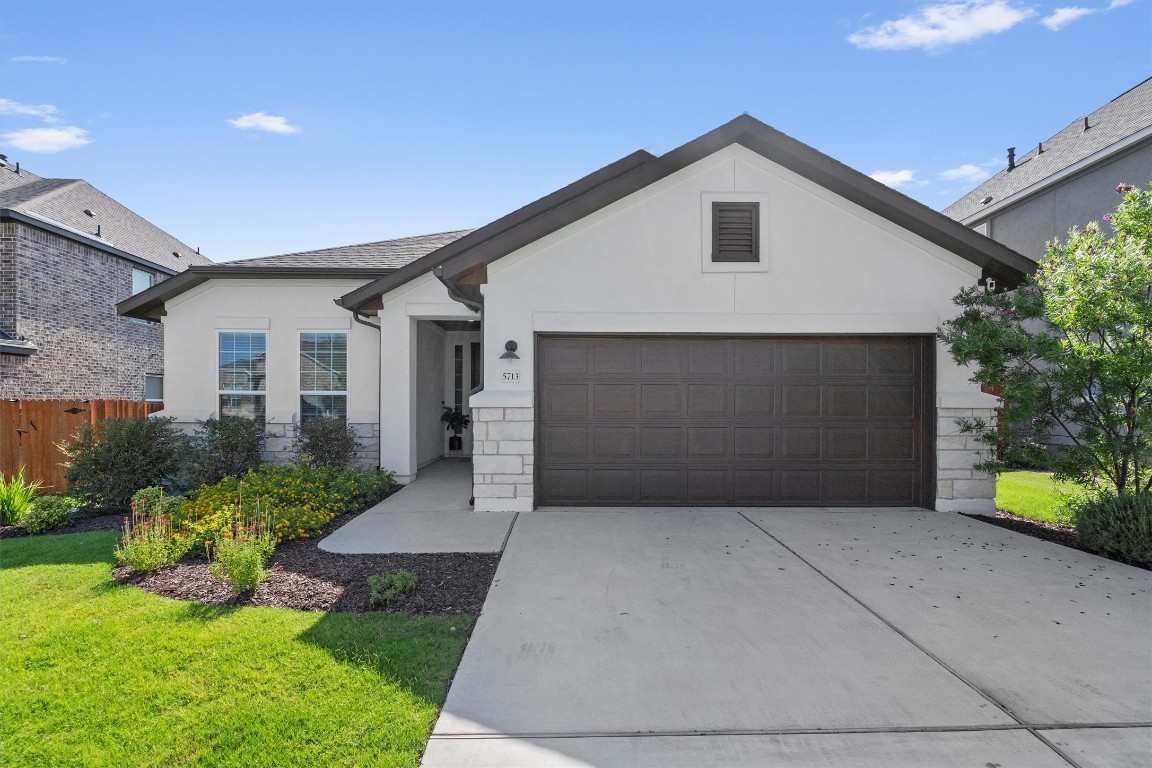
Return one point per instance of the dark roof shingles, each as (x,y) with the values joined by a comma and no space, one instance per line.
(383,254)
(1120,118)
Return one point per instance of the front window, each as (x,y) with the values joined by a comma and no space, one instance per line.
(242,377)
(153,387)
(323,375)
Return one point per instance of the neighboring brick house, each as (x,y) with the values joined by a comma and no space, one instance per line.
(68,254)
(1067,180)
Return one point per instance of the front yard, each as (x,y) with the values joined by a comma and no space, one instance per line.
(96,673)
(1034,495)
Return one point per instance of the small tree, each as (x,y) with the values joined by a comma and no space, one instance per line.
(1071,349)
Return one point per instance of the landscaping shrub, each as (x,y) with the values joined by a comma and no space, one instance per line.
(1119,526)
(109,461)
(241,554)
(327,442)
(296,501)
(390,586)
(154,501)
(16,497)
(224,447)
(49,512)
(150,541)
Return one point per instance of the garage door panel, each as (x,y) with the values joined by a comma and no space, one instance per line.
(615,401)
(737,420)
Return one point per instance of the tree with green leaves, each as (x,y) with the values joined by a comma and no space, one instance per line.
(1070,350)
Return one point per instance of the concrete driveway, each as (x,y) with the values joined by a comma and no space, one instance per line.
(897,637)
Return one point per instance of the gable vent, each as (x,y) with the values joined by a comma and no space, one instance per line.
(735,231)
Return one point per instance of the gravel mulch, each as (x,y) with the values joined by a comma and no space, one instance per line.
(308,579)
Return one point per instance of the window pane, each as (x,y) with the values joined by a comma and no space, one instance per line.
(323,406)
(242,362)
(458,375)
(141,281)
(245,406)
(323,362)
(153,387)
(477,378)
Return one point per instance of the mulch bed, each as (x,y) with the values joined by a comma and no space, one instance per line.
(308,579)
(81,523)
(1064,535)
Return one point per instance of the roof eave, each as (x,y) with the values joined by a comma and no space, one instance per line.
(149,304)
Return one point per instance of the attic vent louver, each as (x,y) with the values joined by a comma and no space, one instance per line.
(735,232)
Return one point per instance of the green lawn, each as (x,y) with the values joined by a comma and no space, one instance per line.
(1034,495)
(94,673)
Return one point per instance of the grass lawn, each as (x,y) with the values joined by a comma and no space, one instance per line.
(1034,495)
(94,673)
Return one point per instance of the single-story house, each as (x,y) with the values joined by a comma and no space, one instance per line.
(740,321)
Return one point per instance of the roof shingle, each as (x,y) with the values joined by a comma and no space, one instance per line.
(1127,114)
(383,254)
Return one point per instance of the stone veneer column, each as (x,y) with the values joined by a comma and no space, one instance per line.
(503,458)
(959,488)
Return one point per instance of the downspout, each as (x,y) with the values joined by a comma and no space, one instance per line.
(454,291)
(361,319)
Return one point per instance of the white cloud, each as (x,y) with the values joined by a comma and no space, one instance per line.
(967,172)
(895,179)
(39,60)
(1062,17)
(1119,3)
(260,121)
(938,26)
(45,112)
(47,140)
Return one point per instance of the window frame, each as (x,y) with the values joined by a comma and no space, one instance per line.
(221,392)
(160,377)
(151,280)
(301,392)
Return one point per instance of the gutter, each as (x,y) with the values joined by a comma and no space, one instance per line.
(74,234)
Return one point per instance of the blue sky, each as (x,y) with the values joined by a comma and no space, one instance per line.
(250,128)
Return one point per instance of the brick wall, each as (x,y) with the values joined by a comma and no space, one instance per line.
(62,295)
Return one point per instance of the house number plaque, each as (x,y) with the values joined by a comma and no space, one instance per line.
(511,375)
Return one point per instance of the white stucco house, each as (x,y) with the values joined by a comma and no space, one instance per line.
(740,321)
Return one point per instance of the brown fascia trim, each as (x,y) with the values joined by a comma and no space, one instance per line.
(149,304)
(621,179)
(562,197)
(8,213)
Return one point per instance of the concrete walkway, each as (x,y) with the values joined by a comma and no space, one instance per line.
(430,514)
(799,638)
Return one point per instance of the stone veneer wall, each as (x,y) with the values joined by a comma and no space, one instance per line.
(280,443)
(959,488)
(503,458)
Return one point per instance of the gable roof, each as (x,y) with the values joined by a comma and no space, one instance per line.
(641,169)
(366,261)
(382,254)
(59,205)
(1114,126)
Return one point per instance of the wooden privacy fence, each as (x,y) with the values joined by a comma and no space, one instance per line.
(30,430)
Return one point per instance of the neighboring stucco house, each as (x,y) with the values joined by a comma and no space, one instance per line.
(68,253)
(740,321)
(1067,180)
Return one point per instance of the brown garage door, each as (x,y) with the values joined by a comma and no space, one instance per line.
(676,421)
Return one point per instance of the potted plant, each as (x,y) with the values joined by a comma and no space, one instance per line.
(457,421)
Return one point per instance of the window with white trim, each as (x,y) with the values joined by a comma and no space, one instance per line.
(242,374)
(323,375)
(141,281)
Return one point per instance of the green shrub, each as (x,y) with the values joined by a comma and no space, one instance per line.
(224,447)
(327,442)
(153,501)
(16,497)
(49,512)
(241,554)
(109,461)
(1116,525)
(150,541)
(296,501)
(390,586)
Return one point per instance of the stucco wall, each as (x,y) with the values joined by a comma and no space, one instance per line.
(61,295)
(1087,197)
(282,308)
(828,267)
